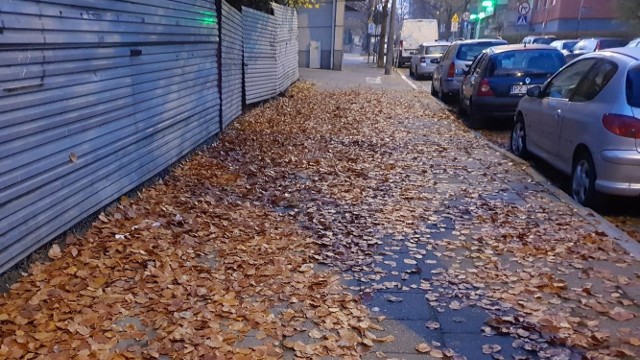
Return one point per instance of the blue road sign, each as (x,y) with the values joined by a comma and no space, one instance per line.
(522,20)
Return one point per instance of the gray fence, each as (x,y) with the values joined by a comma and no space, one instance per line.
(96,96)
(287,45)
(260,69)
(232,50)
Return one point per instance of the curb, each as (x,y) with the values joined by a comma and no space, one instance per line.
(620,237)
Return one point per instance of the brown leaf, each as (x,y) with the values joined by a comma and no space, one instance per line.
(423,348)
(55,252)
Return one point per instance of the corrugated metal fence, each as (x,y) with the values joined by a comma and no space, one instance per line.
(287,45)
(232,50)
(96,96)
(260,69)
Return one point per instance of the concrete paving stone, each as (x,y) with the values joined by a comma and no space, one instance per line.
(471,346)
(408,334)
(507,196)
(467,320)
(414,306)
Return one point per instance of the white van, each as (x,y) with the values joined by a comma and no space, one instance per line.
(413,33)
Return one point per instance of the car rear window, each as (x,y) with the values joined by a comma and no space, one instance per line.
(611,43)
(568,45)
(468,52)
(633,86)
(436,50)
(545,41)
(525,62)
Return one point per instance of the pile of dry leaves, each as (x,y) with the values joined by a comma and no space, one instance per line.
(220,259)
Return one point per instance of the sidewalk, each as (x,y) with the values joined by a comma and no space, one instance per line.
(356,73)
(314,229)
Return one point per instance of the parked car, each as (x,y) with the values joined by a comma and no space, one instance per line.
(421,65)
(412,33)
(586,46)
(539,39)
(564,45)
(585,121)
(451,66)
(501,76)
(634,43)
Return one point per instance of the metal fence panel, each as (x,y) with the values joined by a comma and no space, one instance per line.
(231,62)
(261,76)
(287,45)
(96,96)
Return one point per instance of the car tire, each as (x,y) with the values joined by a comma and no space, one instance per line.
(476,121)
(434,93)
(411,73)
(443,96)
(583,180)
(461,110)
(518,141)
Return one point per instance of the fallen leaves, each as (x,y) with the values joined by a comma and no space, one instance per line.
(226,247)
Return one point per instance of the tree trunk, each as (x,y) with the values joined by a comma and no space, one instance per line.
(383,31)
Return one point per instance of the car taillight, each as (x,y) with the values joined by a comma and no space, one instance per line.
(452,70)
(484,89)
(622,125)
(423,60)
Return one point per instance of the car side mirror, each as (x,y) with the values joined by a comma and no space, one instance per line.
(435,61)
(460,72)
(534,91)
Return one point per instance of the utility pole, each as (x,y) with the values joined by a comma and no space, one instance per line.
(391,41)
(579,18)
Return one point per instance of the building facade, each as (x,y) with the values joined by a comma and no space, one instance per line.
(321,29)
(557,16)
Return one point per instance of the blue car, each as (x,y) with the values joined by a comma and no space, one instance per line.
(501,75)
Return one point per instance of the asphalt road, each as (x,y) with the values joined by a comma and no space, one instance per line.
(624,212)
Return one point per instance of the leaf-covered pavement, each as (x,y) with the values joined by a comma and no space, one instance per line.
(221,259)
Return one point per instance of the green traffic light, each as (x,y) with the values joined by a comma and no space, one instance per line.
(487,3)
(473,17)
(482,15)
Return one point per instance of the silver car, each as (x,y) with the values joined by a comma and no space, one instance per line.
(585,121)
(421,65)
(450,69)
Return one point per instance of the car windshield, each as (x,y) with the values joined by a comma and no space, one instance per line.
(633,86)
(436,50)
(468,52)
(568,45)
(611,43)
(525,62)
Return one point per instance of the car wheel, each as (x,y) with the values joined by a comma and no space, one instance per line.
(444,97)
(518,144)
(583,180)
(476,121)
(411,73)
(461,110)
(434,93)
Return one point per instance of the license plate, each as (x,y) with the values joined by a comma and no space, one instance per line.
(519,89)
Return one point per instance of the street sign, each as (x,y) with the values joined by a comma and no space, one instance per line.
(454,26)
(522,20)
(466,16)
(455,18)
(524,8)
(372,28)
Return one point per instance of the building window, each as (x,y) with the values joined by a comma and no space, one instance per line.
(546,4)
(553,3)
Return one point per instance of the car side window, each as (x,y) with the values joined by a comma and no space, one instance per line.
(482,61)
(564,83)
(594,81)
(474,64)
(420,50)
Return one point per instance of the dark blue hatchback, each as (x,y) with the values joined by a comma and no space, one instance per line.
(500,76)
